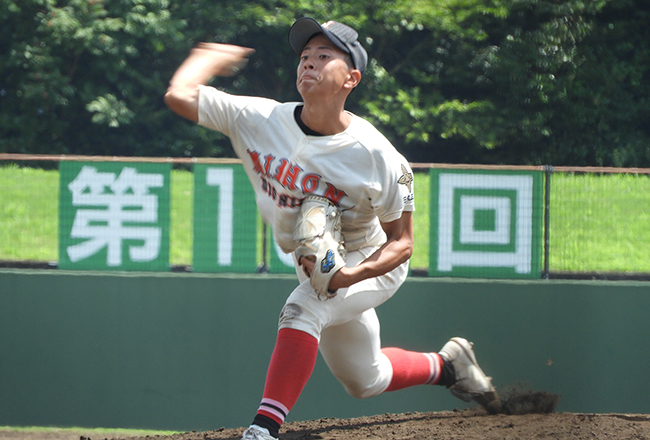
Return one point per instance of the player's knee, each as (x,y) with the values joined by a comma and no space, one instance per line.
(289,314)
(298,318)
(368,381)
(360,390)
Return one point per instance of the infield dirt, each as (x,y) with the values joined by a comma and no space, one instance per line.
(524,415)
(453,425)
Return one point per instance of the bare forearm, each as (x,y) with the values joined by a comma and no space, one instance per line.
(386,258)
(204,62)
(397,249)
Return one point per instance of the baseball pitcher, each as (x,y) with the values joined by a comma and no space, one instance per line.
(340,199)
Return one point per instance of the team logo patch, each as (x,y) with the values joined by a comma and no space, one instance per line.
(406,179)
(328,262)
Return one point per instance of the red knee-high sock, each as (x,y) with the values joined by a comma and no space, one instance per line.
(411,368)
(292,363)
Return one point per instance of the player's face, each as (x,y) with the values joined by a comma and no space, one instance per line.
(323,68)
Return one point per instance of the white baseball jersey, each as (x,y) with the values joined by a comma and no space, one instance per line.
(358,169)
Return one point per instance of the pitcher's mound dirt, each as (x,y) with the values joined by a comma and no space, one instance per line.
(455,425)
(450,425)
(525,415)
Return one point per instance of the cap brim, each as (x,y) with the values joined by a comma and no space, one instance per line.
(301,32)
(304,29)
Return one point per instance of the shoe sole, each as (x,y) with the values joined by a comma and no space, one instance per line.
(489,399)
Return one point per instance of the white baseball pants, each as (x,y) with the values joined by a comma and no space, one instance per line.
(347,326)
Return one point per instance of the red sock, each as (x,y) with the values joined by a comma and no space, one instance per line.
(411,368)
(292,363)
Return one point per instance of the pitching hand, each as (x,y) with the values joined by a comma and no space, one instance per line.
(228,59)
(205,61)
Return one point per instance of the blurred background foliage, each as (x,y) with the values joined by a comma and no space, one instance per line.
(562,82)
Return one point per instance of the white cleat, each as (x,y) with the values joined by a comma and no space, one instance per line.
(255,432)
(471,383)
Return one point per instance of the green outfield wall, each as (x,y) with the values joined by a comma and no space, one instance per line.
(189,351)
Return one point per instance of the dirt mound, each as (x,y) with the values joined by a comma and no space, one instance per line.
(454,425)
(449,425)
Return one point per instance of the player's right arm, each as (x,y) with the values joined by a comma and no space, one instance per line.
(205,61)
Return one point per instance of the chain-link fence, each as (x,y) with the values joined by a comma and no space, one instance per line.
(108,213)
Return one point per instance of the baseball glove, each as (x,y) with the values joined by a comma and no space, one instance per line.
(318,235)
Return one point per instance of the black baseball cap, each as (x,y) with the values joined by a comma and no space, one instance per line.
(343,37)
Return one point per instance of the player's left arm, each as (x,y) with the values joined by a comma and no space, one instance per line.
(397,249)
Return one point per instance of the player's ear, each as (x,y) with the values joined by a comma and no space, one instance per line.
(354,78)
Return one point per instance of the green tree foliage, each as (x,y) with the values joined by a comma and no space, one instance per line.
(563,82)
(604,119)
(471,80)
(86,77)
(519,82)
